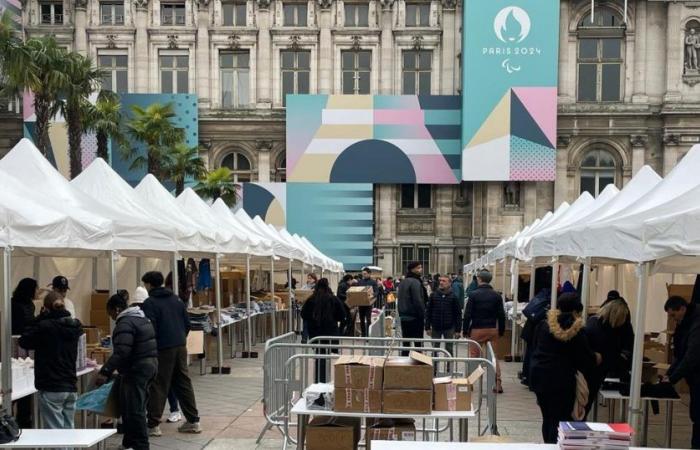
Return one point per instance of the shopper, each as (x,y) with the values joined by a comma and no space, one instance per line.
(686,355)
(323,312)
(343,287)
(135,357)
(140,296)
(389,285)
(412,297)
(172,324)
(560,350)
(458,290)
(607,335)
(443,315)
(365,312)
(175,414)
(54,338)
(22,317)
(60,286)
(484,319)
(311,280)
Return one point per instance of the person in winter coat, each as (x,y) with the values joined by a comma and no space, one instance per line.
(560,350)
(484,319)
(411,298)
(607,335)
(169,317)
(458,290)
(443,315)
(535,312)
(686,355)
(323,312)
(365,312)
(54,338)
(343,287)
(22,317)
(135,357)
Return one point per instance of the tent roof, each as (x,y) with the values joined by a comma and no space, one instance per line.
(258,244)
(279,247)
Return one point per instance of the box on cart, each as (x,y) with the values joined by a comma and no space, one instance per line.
(407,401)
(337,433)
(412,372)
(358,400)
(360,296)
(390,430)
(359,372)
(455,394)
(302,295)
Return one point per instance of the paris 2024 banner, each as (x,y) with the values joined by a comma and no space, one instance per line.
(509,113)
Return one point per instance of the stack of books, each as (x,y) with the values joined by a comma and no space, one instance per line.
(594,436)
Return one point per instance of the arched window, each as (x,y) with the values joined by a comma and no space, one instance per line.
(239,165)
(597,171)
(279,172)
(600,57)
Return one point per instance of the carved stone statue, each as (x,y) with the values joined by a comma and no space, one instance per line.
(692,46)
(386,4)
(264,4)
(325,4)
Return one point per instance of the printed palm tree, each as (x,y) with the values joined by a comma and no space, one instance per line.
(154,127)
(83,80)
(105,119)
(183,162)
(218,184)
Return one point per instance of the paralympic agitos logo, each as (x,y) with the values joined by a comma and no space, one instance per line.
(512,26)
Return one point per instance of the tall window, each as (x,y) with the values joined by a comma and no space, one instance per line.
(415,196)
(112,13)
(51,13)
(235,85)
(174,73)
(295,14)
(234,14)
(419,253)
(416,72)
(280,174)
(417,14)
(356,14)
(296,72)
(600,57)
(597,171)
(240,166)
(116,72)
(356,71)
(172,14)
(511,194)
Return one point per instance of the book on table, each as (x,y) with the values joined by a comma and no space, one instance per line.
(594,436)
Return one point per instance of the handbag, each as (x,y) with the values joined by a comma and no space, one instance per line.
(9,430)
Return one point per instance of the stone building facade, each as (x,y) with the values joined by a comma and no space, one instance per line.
(627,92)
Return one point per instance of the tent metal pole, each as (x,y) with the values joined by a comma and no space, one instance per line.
(139,269)
(249,322)
(272,296)
(94,274)
(555,278)
(114,257)
(176,274)
(6,331)
(586,287)
(36,263)
(504,277)
(220,333)
(635,405)
(291,297)
(513,338)
(533,271)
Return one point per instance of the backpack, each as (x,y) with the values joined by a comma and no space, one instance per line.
(536,310)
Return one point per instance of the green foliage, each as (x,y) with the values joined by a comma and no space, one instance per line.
(183,162)
(218,184)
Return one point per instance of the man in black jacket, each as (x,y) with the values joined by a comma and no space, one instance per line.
(366,311)
(484,318)
(135,357)
(54,339)
(443,314)
(172,324)
(686,355)
(412,297)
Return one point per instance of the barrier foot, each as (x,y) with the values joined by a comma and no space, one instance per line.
(251,355)
(221,370)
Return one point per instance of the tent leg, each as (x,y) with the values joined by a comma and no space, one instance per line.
(114,257)
(531,294)
(513,338)
(94,274)
(290,310)
(176,275)
(139,269)
(504,277)
(249,337)
(586,287)
(635,404)
(272,295)
(6,331)
(220,333)
(555,278)
(36,262)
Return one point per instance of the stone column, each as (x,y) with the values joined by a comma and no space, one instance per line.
(674,60)
(141,47)
(671,142)
(264,151)
(387,42)
(264,75)
(639,143)
(385,218)
(530,202)
(80,25)
(325,65)
(656,50)
(640,53)
(203,57)
(449,45)
(443,228)
(564,67)
(561,182)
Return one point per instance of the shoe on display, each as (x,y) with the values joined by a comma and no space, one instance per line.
(175,417)
(190,427)
(155,431)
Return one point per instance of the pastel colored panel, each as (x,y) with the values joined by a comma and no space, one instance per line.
(396,102)
(348,116)
(530,161)
(489,161)
(330,146)
(313,168)
(541,103)
(344,131)
(496,125)
(385,132)
(399,117)
(431,168)
(442,117)
(350,102)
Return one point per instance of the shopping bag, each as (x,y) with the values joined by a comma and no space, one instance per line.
(103,400)
(112,407)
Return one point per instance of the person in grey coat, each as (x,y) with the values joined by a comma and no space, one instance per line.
(412,297)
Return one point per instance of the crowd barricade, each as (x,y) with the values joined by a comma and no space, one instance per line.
(289,368)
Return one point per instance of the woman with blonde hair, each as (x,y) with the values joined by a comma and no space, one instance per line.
(610,333)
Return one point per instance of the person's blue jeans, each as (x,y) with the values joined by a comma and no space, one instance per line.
(57,409)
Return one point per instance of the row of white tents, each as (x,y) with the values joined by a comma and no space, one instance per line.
(651,225)
(98,217)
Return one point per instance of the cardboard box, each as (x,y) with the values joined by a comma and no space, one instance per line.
(359,372)
(100,355)
(407,401)
(390,430)
(195,342)
(455,394)
(412,372)
(98,300)
(333,433)
(302,295)
(358,400)
(360,296)
(92,335)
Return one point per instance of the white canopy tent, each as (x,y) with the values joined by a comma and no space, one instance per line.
(260,245)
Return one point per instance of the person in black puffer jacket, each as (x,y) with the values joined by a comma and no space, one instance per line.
(54,338)
(135,357)
(442,314)
(22,316)
(412,297)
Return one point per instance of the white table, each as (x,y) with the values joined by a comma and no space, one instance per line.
(304,413)
(417,445)
(61,438)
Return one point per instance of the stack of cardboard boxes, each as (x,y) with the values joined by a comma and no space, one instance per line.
(360,296)
(408,385)
(358,384)
(98,311)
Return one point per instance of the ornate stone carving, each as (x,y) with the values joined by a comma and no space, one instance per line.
(325,4)
(639,140)
(202,3)
(80,4)
(563,140)
(294,42)
(691,54)
(263,145)
(671,139)
(449,4)
(263,4)
(234,42)
(413,225)
(111,41)
(172,41)
(356,42)
(386,4)
(417,41)
(141,4)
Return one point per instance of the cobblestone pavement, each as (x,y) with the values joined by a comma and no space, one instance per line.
(232,414)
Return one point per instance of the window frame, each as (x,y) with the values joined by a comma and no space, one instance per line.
(280,170)
(296,22)
(356,71)
(296,70)
(52,15)
(114,69)
(519,201)
(236,71)
(416,196)
(415,255)
(113,14)
(420,6)
(174,7)
(355,7)
(416,70)
(597,170)
(175,54)
(235,19)
(235,171)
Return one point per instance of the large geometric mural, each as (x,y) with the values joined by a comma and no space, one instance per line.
(373,139)
(509,110)
(267,200)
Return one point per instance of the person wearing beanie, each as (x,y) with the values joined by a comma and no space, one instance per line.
(412,297)
(140,296)
(560,351)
